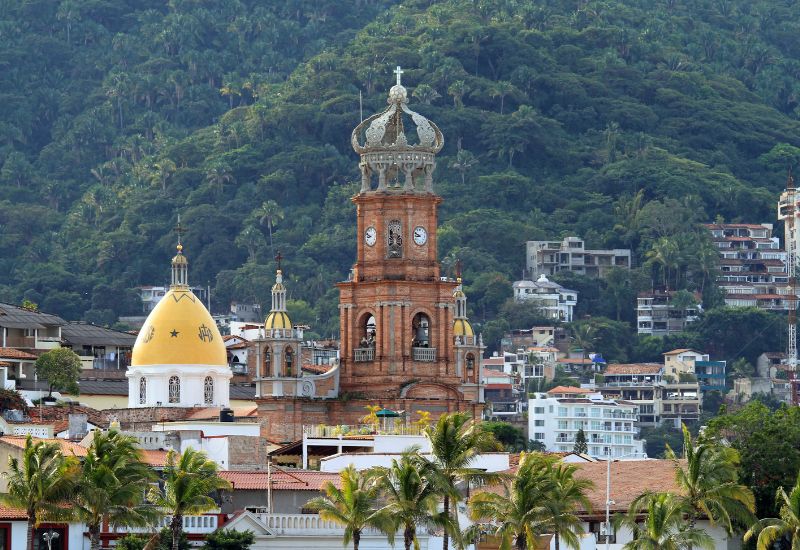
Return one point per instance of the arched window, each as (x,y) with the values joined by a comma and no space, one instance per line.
(208,390)
(288,359)
(267,362)
(174,389)
(421,331)
(369,334)
(142,390)
(470,363)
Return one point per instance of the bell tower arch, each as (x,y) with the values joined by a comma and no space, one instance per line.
(397,311)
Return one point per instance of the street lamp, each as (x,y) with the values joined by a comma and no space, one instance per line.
(49,537)
(609,502)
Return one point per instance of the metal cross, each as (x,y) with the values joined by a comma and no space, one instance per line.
(458,268)
(179,229)
(398,71)
(278,259)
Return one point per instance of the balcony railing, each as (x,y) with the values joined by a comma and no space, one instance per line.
(362,355)
(426,355)
(305,524)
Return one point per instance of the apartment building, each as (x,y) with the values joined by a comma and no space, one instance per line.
(710,375)
(658,314)
(554,301)
(610,426)
(571,254)
(752,265)
(546,336)
(659,400)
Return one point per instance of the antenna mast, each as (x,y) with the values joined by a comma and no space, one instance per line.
(788,212)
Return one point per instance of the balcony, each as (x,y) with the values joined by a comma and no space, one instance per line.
(363,355)
(425,355)
(306,524)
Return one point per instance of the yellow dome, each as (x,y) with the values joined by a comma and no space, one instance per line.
(462,327)
(277,319)
(179,331)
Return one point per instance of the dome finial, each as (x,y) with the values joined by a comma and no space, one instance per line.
(398,71)
(179,230)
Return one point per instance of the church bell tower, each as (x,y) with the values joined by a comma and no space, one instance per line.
(397,312)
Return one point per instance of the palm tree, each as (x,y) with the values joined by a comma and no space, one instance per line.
(583,337)
(268,214)
(411,497)
(110,485)
(39,483)
(664,253)
(526,511)
(770,530)
(189,479)
(218,175)
(352,506)
(463,163)
(569,496)
(456,440)
(709,483)
(663,526)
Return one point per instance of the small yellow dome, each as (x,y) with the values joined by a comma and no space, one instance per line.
(462,327)
(179,331)
(277,319)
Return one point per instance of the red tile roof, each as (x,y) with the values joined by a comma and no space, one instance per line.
(157,459)
(68,448)
(634,368)
(13,353)
(498,386)
(317,369)
(282,480)
(12,513)
(679,351)
(568,389)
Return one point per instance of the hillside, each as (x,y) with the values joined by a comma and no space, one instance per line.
(117,116)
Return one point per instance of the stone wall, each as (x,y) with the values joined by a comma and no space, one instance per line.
(142,418)
(247,453)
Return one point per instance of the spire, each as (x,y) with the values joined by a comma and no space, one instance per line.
(460,297)
(180,266)
(789,179)
(278,290)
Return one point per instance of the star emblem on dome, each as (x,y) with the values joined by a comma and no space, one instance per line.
(174,333)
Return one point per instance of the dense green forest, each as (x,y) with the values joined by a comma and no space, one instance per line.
(624,122)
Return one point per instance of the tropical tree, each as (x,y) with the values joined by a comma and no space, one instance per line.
(456,441)
(580,446)
(463,163)
(568,497)
(218,175)
(39,482)
(709,482)
(353,506)
(583,336)
(411,497)
(771,530)
(270,212)
(60,367)
(109,488)
(663,525)
(189,480)
(425,94)
(527,510)
(666,255)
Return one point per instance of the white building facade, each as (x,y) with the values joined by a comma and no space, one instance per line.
(610,426)
(555,301)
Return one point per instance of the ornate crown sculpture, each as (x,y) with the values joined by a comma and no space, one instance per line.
(385,149)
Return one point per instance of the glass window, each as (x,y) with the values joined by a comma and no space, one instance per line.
(596,412)
(562,411)
(538,410)
(563,424)
(208,390)
(142,390)
(174,389)
(538,422)
(538,436)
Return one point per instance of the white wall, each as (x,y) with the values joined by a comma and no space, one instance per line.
(491,462)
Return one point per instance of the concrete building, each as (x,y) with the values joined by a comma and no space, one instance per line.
(571,254)
(658,399)
(658,315)
(752,265)
(554,301)
(610,426)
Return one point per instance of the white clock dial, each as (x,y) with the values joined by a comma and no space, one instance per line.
(420,235)
(370,236)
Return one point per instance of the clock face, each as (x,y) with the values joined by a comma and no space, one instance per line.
(370,236)
(420,235)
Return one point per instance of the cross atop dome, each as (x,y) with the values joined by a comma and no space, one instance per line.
(398,71)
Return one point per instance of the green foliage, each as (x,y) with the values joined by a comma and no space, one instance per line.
(163,541)
(225,539)
(626,127)
(511,437)
(61,368)
(581,447)
(659,437)
(769,446)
